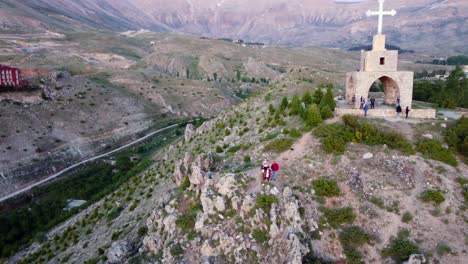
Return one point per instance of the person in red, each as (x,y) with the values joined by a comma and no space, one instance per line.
(274,170)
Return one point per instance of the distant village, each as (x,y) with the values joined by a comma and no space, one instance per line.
(238,41)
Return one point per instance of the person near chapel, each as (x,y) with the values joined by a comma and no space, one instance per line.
(353,100)
(366,108)
(398,111)
(274,170)
(407,111)
(372,102)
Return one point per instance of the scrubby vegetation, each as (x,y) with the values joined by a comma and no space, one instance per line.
(432,196)
(457,137)
(448,93)
(279,145)
(434,149)
(326,187)
(336,136)
(400,247)
(338,217)
(265,201)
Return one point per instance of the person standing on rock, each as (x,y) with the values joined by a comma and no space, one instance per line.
(407,111)
(274,170)
(265,168)
(398,111)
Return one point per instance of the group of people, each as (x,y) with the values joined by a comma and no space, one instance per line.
(365,106)
(269,172)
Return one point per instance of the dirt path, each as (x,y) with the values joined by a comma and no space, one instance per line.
(285,159)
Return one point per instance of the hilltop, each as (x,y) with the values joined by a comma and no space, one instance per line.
(374,198)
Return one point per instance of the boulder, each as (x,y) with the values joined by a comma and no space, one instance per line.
(219,204)
(119,251)
(197,177)
(428,136)
(416,259)
(190,132)
(274,191)
(368,156)
(153,243)
(443,125)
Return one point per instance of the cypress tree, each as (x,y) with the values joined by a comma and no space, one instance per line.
(328,100)
(318,95)
(313,117)
(307,98)
(296,107)
(284,103)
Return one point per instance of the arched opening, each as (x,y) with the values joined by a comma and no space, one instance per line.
(384,91)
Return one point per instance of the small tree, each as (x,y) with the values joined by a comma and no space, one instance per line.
(313,117)
(326,112)
(187,73)
(307,98)
(328,100)
(318,95)
(296,107)
(238,75)
(215,76)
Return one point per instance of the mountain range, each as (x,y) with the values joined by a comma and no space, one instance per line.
(431,26)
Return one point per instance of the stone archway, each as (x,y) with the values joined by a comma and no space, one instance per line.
(391,89)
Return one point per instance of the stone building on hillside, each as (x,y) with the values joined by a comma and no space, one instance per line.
(380,64)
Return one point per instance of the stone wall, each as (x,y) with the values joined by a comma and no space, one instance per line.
(372,60)
(396,84)
(415,113)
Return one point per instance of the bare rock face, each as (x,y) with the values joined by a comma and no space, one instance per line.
(227,185)
(190,131)
(416,259)
(119,251)
(296,249)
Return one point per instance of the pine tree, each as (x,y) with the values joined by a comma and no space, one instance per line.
(328,100)
(271,108)
(313,117)
(318,95)
(307,98)
(326,113)
(296,107)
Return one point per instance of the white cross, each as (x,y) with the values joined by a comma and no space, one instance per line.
(381,13)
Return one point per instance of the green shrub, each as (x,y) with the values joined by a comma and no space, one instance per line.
(185,184)
(233,149)
(457,137)
(279,145)
(227,132)
(284,103)
(313,117)
(177,250)
(260,236)
(333,145)
(269,137)
(142,231)
(264,201)
(185,222)
(318,95)
(433,149)
(307,98)
(353,236)
(443,249)
(377,201)
(339,217)
(407,217)
(326,112)
(294,133)
(433,196)
(219,149)
(247,159)
(351,121)
(353,256)
(400,248)
(325,187)
(295,107)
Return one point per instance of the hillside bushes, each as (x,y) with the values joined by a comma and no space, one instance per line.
(336,136)
(400,247)
(457,137)
(325,187)
(279,145)
(434,149)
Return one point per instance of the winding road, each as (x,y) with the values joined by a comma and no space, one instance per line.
(58,174)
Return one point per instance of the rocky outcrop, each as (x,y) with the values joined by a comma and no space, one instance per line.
(119,252)
(416,259)
(190,131)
